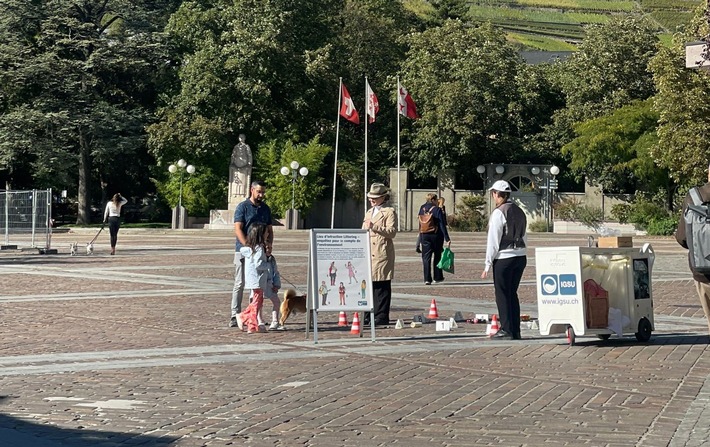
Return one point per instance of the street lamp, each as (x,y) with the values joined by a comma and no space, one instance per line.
(294,172)
(551,186)
(179,214)
(546,174)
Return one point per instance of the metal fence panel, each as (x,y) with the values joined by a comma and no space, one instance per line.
(25,218)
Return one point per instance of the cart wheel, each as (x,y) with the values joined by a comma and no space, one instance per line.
(644,333)
(570,336)
(604,337)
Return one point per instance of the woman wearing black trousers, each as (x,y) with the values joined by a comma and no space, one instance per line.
(432,236)
(112,215)
(506,257)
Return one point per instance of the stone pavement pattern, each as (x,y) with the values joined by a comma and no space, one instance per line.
(134,349)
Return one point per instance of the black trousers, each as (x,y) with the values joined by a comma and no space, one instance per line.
(507,274)
(432,247)
(113,225)
(382,298)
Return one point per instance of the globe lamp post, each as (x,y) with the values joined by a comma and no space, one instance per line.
(295,174)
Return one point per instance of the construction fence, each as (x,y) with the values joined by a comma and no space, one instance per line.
(26,219)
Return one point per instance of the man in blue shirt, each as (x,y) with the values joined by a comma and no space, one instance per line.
(248,212)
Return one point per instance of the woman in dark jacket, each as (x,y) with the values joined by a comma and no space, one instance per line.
(432,235)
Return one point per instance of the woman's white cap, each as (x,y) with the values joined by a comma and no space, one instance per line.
(500,185)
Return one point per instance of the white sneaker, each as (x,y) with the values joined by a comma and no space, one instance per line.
(274,325)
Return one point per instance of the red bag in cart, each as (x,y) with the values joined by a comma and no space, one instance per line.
(596,305)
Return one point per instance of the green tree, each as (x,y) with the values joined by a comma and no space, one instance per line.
(463,80)
(78,86)
(451,9)
(252,67)
(199,191)
(613,151)
(609,71)
(599,77)
(306,190)
(683,103)
(370,44)
(269,69)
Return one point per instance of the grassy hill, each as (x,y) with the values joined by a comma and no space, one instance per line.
(556,25)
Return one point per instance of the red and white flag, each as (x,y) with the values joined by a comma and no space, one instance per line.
(406,104)
(347,107)
(372,105)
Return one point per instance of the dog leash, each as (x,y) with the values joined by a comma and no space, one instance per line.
(97,234)
(297,289)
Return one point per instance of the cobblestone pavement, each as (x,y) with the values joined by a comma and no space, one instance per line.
(134,349)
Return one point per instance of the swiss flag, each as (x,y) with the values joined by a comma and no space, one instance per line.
(347,108)
(372,105)
(406,104)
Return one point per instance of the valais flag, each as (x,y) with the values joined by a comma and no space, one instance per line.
(406,104)
(372,105)
(347,108)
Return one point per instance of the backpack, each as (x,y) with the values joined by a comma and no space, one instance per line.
(697,233)
(427,223)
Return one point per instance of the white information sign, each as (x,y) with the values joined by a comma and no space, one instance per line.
(559,289)
(340,266)
(340,275)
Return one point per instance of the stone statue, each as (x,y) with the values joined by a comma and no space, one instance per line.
(239,172)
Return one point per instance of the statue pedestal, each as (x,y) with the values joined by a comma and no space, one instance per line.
(221,219)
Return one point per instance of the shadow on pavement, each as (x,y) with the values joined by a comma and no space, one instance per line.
(667,338)
(15,432)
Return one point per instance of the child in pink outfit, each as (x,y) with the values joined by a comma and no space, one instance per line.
(255,269)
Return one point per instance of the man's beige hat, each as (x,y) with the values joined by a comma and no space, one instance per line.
(377,190)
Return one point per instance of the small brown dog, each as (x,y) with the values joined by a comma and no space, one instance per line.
(292,303)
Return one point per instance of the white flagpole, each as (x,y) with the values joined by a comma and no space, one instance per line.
(399,182)
(367,118)
(335,165)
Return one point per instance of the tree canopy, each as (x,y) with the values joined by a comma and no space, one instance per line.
(463,80)
(101,96)
(683,105)
(614,150)
(78,87)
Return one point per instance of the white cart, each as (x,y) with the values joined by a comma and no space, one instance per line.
(625,273)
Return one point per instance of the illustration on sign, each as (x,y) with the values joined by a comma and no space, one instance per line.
(342,270)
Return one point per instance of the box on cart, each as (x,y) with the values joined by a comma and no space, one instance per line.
(615,241)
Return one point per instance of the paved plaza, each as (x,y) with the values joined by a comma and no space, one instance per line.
(134,349)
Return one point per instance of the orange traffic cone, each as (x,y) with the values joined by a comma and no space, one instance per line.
(494,326)
(356,324)
(342,319)
(433,313)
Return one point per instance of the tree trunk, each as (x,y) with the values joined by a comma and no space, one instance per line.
(84,201)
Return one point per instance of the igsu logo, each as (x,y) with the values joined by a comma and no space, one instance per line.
(558,284)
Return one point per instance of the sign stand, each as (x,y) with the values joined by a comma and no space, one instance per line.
(339,275)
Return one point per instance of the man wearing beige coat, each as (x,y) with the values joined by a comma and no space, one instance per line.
(381,221)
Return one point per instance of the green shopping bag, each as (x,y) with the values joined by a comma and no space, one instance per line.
(447,260)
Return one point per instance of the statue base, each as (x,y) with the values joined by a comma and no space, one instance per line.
(221,220)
